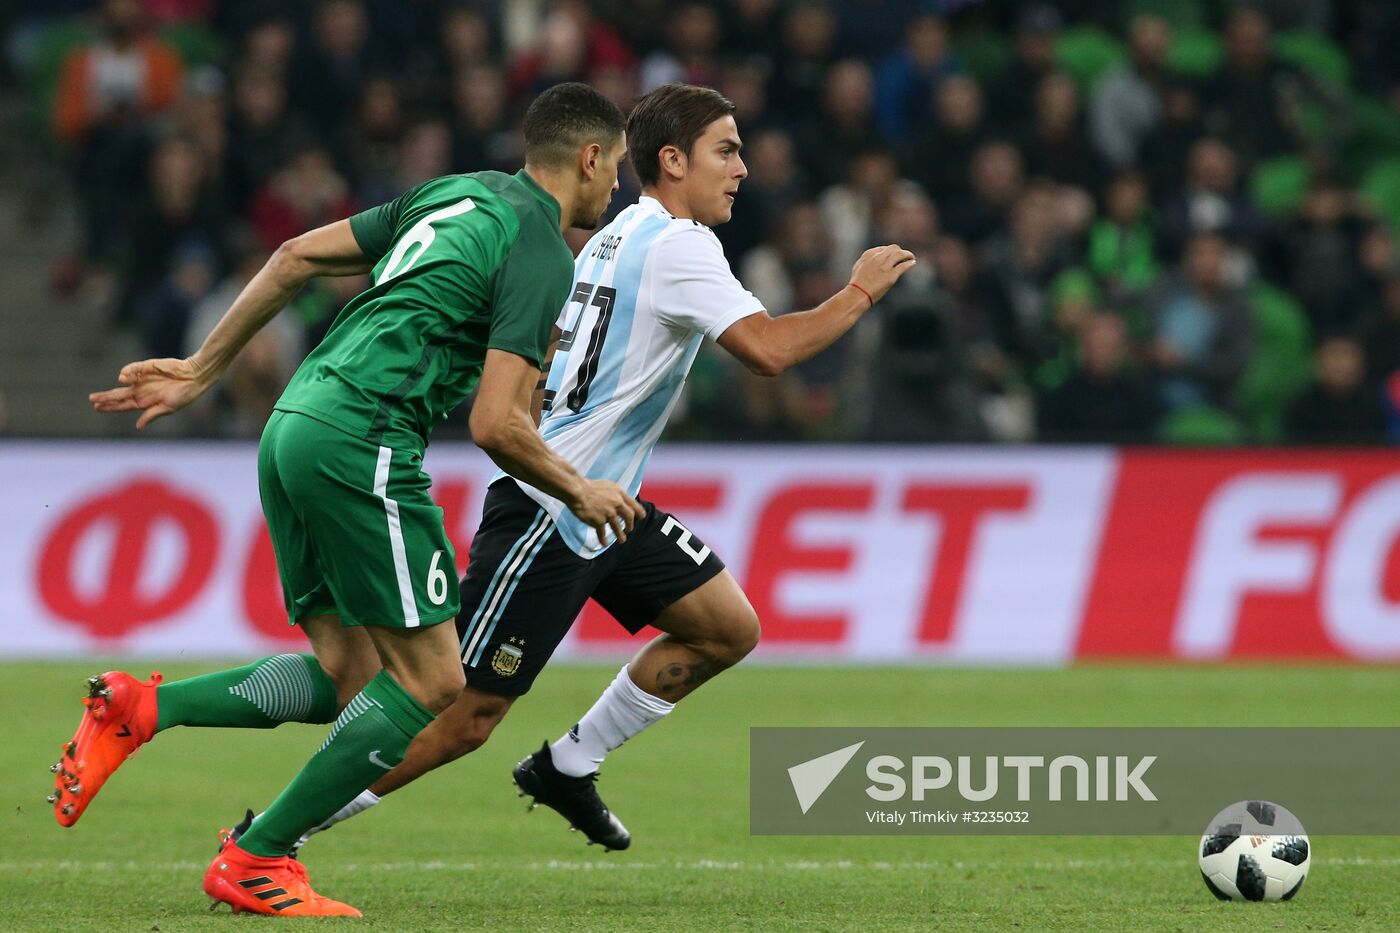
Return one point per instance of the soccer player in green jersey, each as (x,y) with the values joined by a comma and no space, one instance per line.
(468,274)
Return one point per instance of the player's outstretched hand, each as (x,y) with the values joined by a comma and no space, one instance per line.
(604,505)
(154,387)
(879,268)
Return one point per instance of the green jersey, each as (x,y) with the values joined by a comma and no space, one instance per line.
(464,263)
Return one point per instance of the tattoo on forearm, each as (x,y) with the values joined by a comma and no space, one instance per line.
(671,678)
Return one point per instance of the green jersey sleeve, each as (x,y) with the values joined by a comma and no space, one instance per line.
(374,229)
(528,293)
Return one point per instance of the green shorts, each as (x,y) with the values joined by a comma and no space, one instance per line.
(353,527)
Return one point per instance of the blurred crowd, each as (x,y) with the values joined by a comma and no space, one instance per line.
(1136,222)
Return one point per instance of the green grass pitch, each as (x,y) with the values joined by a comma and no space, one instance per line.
(458,851)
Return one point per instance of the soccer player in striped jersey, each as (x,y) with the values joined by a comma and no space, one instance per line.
(648,289)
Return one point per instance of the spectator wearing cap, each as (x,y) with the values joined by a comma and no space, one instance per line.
(1127,102)
(1203,330)
(1341,406)
(1033,58)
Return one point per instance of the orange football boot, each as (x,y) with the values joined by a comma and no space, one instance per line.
(277,886)
(120,718)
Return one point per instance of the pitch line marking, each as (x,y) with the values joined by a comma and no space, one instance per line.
(681,865)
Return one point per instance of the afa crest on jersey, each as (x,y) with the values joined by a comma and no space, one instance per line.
(506,660)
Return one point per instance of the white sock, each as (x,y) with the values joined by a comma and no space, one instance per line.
(621,712)
(361,803)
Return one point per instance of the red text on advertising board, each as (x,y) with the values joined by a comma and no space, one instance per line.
(129,515)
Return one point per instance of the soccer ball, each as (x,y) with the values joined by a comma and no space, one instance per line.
(1254,851)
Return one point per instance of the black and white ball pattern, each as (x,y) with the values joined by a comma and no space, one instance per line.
(1254,850)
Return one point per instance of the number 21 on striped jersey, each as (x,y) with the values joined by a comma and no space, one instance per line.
(420,235)
(602,297)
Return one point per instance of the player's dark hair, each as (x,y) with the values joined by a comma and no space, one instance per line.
(566,117)
(671,115)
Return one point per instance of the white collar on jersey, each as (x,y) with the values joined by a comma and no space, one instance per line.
(648,201)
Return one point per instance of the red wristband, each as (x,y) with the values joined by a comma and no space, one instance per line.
(863,292)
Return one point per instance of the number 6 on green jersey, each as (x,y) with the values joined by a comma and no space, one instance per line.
(466,263)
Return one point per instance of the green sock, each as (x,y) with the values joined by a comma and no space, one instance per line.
(266,693)
(370,736)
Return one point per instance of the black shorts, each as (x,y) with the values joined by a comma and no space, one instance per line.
(524,586)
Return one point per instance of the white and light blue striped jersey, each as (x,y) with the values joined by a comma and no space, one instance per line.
(648,289)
